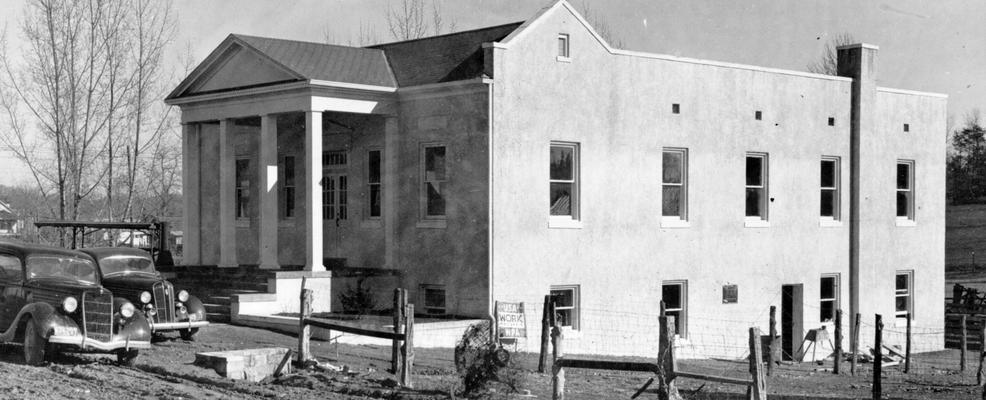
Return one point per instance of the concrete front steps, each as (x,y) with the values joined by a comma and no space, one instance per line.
(215,286)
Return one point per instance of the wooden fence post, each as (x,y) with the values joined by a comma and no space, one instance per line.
(982,354)
(558,373)
(838,341)
(907,346)
(878,358)
(854,345)
(668,364)
(395,356)
(756,366)
(773,341)
(407,351)
(304,330)
(545,332)
(964,344)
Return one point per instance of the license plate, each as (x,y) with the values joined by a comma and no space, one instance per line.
(66,331)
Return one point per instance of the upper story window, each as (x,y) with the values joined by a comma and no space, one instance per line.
(563,46)
(905,190)
(674,183)
(756,186)
(829,188)
(564,180)
(434,178)
(242,187)
(289,186)
(373,183)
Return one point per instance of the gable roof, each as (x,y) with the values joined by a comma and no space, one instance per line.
(300,61)
(325,61)
(6,213)
(445,58)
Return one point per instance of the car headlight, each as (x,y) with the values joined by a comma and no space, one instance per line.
(127,310)
(145,297)
(182,296)
(70,304)
(149,310)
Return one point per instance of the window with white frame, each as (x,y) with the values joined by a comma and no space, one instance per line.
(904,294)
(828,297)
(905,189)
(433,298)
(756,186)
(564,180)
(335,185)
(675,297)
(242,188)
(563,45)
(434,178)
(829,201)
(566,299)
(674,181)
(373,184)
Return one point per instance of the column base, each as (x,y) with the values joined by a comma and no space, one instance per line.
(228,266)
(270,266)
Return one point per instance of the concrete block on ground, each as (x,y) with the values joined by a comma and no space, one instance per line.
(249,364)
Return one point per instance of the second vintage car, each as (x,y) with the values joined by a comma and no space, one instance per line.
(130,273)
(51,300)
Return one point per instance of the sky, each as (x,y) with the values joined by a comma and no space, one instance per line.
(934,46)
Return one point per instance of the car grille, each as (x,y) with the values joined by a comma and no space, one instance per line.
(97,309)
(164,295)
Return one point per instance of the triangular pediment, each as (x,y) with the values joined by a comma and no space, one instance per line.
(239,67)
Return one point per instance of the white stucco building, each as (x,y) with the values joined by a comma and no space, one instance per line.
(510,162)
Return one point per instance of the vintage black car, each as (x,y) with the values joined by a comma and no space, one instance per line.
(130,273)
(51,300)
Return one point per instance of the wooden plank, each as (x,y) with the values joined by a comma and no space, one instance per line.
(395,347)
(407,351)
(545,332)
(558,372)
(608,365)
(305,332)
(838,342)
(877,357)
(759,386)
(713,378)
(354,330)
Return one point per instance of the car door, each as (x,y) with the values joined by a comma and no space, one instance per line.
(11,292)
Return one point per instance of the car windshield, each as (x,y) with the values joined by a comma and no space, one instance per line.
(124,264)
(61,267)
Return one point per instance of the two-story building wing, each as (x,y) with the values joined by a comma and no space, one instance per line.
(521,160)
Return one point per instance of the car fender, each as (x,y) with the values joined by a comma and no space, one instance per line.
(194,306)
(45,318)
(135,328)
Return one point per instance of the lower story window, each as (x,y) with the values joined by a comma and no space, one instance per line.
(904,299)
(434,299)
(675,297)
(566,299)
(828,297)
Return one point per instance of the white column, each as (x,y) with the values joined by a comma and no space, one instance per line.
(313,191)
(191,195)
(227,196)
(268,191)
(390,190)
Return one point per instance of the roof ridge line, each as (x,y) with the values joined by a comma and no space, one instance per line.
(303,41)
(442,35)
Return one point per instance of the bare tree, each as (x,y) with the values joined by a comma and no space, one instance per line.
(364,37)
(601,26)
(409,20)
(828,63)
(86,87)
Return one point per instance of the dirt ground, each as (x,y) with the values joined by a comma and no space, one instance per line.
(167,372)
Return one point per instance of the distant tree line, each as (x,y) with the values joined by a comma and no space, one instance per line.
(966,170)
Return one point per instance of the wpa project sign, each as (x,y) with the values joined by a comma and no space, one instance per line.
(510,322)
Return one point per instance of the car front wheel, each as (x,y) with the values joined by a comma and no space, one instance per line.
(188,334)
(35,345)
(127,358)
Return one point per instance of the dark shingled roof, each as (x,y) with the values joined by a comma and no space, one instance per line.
(444,58)
(326,62)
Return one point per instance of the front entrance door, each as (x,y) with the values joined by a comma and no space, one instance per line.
(335,212)
(791,322)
